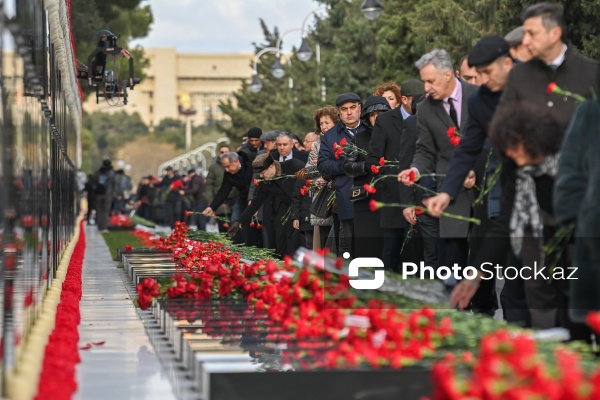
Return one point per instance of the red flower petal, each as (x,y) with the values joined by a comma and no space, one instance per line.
(99,343)
(343,141)
(86,346)
(551,87)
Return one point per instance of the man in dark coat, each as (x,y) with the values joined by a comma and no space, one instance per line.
(393,142)
(195,189)
(490,56)
(237,175)
(349,107)
(445,108)
(285,149)
(102,184)
(287,239)
(554,61)
(253,145)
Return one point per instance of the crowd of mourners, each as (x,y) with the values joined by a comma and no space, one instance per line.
(491,163)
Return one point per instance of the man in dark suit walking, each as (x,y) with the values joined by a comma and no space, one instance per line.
(445,108)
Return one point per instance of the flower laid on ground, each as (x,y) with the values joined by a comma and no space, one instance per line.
(553,88)
(307,302)
(120,220)
(61,354)
(509,366)
(453,135)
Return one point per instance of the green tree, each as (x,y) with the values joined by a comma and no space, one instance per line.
(348,53)
(170,130)
(277,105)
(110,131)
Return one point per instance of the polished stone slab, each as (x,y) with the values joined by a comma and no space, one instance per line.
(126,366)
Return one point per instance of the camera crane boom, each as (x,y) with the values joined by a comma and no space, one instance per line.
(98,76)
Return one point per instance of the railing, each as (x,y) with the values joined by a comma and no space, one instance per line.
(40,125)
(196,159)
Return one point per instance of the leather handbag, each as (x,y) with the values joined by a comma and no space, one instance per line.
(358,192)
(320,206)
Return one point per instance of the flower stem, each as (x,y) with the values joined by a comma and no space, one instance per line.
(444,214)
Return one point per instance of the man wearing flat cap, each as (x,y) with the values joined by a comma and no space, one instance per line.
(349,107)
(271,183)
(518,51)
(491,58)
(411,89)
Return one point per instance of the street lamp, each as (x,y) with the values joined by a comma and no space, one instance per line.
(304,52)
(276,69)
(371,9)
(255,84)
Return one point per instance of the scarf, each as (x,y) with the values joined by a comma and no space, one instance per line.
(526,209)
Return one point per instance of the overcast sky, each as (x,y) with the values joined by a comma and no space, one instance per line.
(222,26)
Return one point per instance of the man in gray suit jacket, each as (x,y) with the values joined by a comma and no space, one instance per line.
(443,112)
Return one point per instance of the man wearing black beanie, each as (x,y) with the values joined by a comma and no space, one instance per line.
(253,145)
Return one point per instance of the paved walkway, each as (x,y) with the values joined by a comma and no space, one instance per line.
(126,366)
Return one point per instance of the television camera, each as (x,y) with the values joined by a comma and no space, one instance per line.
(106,81)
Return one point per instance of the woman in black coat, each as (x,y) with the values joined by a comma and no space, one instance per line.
(368,239)
(576,195)
(531,138)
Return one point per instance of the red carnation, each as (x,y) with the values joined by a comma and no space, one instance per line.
(455,141)
(374,169)
(451,132)
(552,86)
(419,210)
(382,161)
(128,248)
(259,226)
(593,321)
(374,205)
(188,213)
(255,182)
(369,188)
(412,176)
(343,141)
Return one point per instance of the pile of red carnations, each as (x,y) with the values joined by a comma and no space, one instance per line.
(119,220)
(509,366)
(306,302)
(57,379)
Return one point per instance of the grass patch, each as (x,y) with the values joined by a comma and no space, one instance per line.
(118,240)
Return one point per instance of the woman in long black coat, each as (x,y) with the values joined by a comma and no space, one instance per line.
(576,194)
(368,237)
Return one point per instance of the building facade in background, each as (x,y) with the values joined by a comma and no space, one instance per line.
(176,82)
